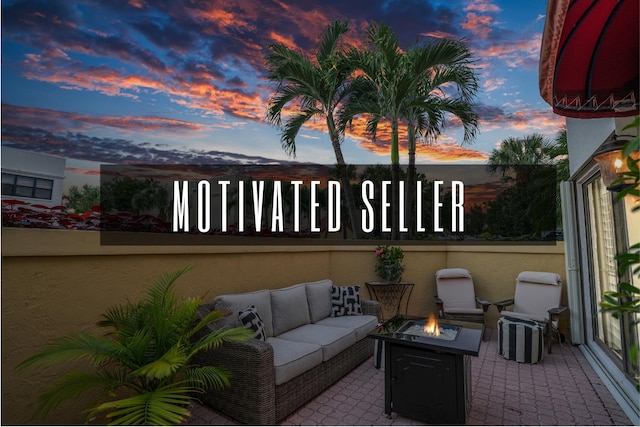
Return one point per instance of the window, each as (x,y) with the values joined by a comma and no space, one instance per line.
(603,264)
(26,186)
(610,225)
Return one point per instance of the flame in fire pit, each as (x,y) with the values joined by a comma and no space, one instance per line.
(431,327)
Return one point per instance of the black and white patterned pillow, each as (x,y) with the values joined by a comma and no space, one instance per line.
(345,301)
(250,318)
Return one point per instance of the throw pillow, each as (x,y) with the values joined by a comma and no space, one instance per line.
(250,318)
(345,301)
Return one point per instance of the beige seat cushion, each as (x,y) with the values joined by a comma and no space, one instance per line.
(293,358)
(361,325)
(332,340)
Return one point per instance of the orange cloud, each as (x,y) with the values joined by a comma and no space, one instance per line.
(287,41)
(60,121)
(82,171)
(482,6)
(524,120)
(450,152)
(479,25)
(492,84)
(139,4)
(440,35)
(523,53)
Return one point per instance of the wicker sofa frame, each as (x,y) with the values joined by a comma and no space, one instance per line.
(253,398)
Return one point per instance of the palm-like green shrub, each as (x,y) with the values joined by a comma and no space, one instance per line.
(142,372)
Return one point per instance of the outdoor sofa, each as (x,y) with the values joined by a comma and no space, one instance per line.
(308,336)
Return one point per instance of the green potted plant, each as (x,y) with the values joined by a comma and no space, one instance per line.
(141,368)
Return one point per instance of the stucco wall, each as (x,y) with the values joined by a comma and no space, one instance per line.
(56,282)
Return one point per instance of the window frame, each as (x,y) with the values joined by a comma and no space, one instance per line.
(39,188)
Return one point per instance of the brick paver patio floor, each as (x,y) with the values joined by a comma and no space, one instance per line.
(561,390)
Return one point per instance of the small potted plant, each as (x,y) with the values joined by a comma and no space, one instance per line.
(389,264)
(142,368)
(391,325)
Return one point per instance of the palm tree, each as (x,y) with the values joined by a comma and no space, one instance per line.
(410,86)
(448,65)
(559,154)
(523,156)
(317,87)
(142,373)
(384,69)
(519,154)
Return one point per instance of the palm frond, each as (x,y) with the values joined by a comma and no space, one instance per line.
(74,347)
(166,365)
(208,377)
(292,128)
(124,319)
(330,39)
(215,338)
(70,385)
(135,349)
(164,406)
(160,293)
(280,99)
(211,317)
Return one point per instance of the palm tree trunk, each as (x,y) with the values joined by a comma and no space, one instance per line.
(344,177)
(395,179)
(411,174)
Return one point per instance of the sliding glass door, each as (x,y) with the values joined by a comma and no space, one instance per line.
(608,225)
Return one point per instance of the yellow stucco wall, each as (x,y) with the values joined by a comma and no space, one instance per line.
(56,282)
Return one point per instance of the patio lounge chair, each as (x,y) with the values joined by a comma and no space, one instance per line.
(456,298)
(537,298)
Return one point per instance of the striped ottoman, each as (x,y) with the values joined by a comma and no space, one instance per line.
(520,340)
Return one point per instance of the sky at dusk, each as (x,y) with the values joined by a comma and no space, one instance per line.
(184,81)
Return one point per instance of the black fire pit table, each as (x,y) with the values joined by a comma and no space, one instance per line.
(429,378)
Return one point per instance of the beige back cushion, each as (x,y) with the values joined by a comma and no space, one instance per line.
(455,288)
(290,308)
(537,292)
(238,302)
(319,299)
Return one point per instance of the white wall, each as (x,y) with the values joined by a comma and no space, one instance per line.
(38,165)
(584,136)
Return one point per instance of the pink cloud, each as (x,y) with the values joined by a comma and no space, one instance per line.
(519,53)
(491,84)
(440,35)
(60,121)
(482,6)
(479,25)
(83,171)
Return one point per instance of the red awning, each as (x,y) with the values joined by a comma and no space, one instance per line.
(590,58)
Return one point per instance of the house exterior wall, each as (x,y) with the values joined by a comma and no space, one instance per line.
(55,282)
(583,139)
(19,162)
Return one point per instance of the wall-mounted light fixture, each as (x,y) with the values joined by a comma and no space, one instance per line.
(612,164)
